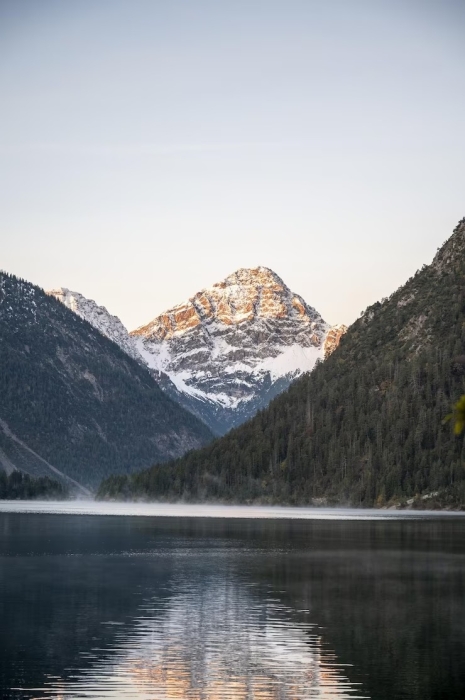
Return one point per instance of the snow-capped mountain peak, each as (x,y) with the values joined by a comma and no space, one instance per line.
(231,347)
(99,317)
(247,295)
(226,351)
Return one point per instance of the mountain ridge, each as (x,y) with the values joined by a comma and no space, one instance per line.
(74,400)
(98,316)
(364,428)
(228,350)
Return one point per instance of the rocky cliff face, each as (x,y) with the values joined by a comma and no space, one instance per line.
(231,348)
(98,317)
(333,338)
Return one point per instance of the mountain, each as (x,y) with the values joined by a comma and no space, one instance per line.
(74,406)
(98,317)
(227,351)
(365,427)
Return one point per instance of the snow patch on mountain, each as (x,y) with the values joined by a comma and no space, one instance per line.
(291,361)
(99,317)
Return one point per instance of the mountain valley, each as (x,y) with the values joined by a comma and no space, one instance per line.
(364,428)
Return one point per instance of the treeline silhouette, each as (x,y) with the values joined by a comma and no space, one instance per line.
(18,485)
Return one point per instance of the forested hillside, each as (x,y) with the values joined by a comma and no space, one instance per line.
(73,405)
(365,427)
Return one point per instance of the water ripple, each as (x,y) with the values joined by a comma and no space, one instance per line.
(209,642)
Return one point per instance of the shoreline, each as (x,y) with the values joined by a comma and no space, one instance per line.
(186,510)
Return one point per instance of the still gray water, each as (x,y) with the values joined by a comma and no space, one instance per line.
(287,606)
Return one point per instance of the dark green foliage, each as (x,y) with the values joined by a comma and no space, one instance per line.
(22,486)
(75,398)
(365,427)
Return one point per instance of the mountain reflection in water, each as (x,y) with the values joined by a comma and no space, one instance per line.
(214,642)
(203,609)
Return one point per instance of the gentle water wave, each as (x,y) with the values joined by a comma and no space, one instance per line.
(258,651)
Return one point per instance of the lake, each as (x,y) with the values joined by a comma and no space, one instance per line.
(157,602)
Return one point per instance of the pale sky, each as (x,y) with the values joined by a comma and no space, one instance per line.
(148,148)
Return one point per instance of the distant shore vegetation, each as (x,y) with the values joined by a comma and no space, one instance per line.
(20,486)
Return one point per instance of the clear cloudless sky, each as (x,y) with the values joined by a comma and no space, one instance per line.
(148,148)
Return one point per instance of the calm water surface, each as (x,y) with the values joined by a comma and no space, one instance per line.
(154,608)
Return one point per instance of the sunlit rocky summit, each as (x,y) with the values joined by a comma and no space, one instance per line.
(228,350)
(231,348)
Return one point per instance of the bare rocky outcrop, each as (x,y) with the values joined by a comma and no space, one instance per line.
(229,349)
(333,339)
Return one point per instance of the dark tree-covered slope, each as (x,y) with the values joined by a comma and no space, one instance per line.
(364,427)
(73,405)
(21,486)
